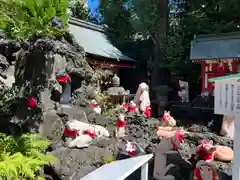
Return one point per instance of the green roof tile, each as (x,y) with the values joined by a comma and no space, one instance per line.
(225,45)
(93,39)
(233,76)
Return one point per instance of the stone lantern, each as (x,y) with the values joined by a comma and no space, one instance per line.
(117,92)
(161,97)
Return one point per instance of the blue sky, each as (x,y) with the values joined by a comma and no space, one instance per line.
(93,5)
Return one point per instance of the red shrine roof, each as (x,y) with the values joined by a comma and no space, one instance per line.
(216,46)
(93,39)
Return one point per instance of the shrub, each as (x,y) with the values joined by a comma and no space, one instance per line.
(22,157)
(23,19)
(106,104)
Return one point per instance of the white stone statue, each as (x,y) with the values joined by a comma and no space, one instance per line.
(96,107)
(168,120)
(132,107)
(129,148)
(183,93)
(227,129)
(82,134)
(142,99)
(120,126)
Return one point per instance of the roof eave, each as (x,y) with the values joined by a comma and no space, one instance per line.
(101,29)
(130,60)
(85,24)
(220,36)
(222,78)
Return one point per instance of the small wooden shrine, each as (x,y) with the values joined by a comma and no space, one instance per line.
(100,52)
(218,54)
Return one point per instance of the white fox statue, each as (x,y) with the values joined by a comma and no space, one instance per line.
(120,126)
(82,134)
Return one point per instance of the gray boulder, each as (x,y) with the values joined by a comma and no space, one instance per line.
(76,163)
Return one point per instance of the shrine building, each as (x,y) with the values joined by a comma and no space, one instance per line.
(100,52)
(218,54)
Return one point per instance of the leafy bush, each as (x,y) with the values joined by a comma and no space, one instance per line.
(106,104)
(9,95)
(23,19)
(9,101)
(78,10)
(22,157)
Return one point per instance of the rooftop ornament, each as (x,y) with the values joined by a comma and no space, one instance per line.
(117,92)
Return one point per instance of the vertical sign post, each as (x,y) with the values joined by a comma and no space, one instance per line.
(227,102)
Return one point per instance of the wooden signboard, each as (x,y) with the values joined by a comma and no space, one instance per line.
(227,97)
(227,102)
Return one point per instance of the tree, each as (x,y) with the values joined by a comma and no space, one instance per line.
(145,19)
(117,17)
(78,10)
(198,17)
(149,20)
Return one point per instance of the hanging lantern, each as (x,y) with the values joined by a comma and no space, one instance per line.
(221,67)
(210,66)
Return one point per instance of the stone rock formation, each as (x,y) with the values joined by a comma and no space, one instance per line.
(35,67)
(79,162)
(7,50)
(44,57)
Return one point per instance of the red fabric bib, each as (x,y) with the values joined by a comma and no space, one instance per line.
(147,111)
(72,133)
(120,123)
(31,102)
(125,106)
(133,153)
(62,79)
(94,106)
(91,134)
(204,155)
(164,118)
(132,109)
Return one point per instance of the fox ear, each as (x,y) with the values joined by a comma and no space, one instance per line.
(204,142)
(210,142)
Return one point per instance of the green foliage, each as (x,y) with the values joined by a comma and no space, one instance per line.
(9,101)
(106,104)
(186,18)
(204,17)
(9,94)
(118,18)
(22,157)
(78,10)
(196,17)
(23,19)
(143,16)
